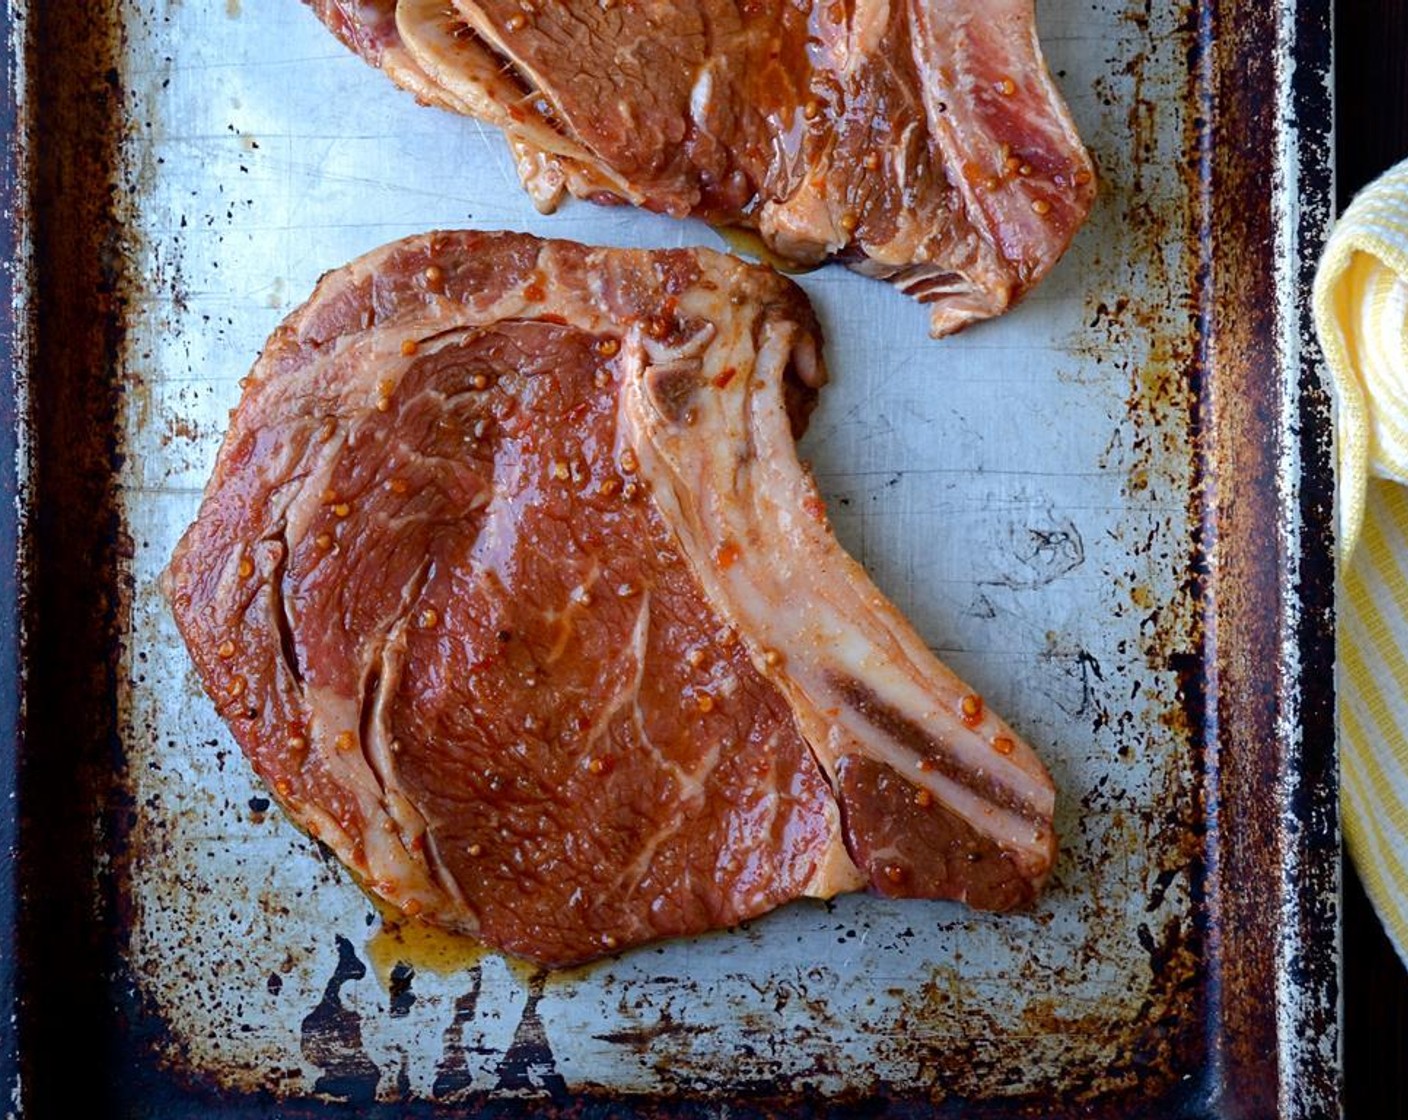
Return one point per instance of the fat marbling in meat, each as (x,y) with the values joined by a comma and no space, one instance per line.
(921,142)
(511,586)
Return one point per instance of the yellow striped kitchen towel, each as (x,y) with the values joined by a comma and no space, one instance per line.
(1361,315)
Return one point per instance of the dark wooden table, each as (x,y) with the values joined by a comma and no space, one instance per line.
(1371,122)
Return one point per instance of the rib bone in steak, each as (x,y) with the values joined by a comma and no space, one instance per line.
(511,586)
(920,141)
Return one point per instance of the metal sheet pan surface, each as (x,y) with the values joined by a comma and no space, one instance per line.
(1107,510)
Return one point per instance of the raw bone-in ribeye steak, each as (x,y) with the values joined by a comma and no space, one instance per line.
(511,586)
(919,141)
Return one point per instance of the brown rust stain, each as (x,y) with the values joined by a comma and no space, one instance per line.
(1250,551)
(1142,328)
(1156,310)
(71,770)
(182,428)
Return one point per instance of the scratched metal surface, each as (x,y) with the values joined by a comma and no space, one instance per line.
(1024,492)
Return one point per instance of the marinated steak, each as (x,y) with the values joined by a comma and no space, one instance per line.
(511,586)
(919,141)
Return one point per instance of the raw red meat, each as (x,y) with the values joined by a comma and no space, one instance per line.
(512,588)
(919,141)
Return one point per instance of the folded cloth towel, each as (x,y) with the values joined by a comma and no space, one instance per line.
(1361,315)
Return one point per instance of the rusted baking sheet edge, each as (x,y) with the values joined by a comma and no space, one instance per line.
(1266,708)
(1266,468)
(59,542)
(14,336)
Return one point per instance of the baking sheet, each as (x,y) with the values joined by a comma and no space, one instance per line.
(1030,494)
